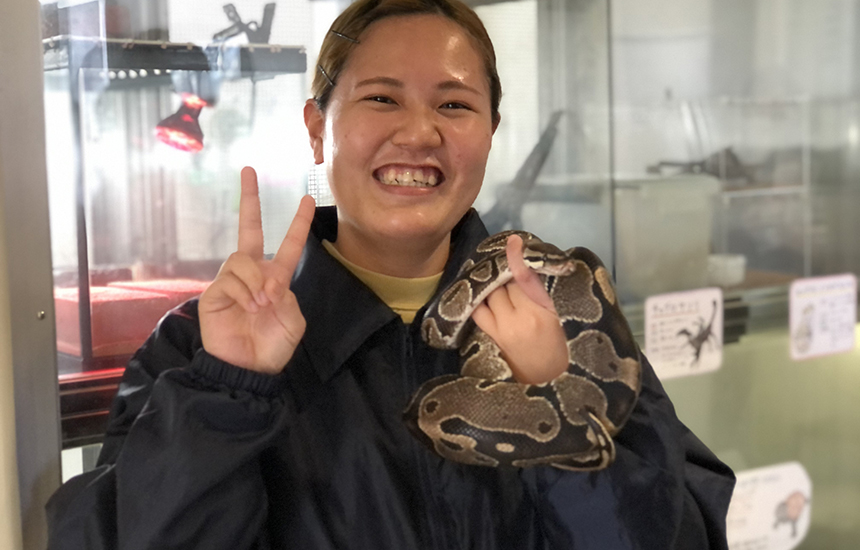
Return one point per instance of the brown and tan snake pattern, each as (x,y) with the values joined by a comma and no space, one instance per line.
(483,416)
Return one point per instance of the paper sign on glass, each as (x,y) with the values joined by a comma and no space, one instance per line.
(770,509)
(684,332)
(822,315)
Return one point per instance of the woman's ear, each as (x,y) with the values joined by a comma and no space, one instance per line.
(315,122)
(496,120)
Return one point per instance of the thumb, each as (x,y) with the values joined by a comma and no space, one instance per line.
(528,280)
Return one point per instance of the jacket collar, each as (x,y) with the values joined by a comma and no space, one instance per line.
(341,312)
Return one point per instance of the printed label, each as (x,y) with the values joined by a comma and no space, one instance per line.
(822,315)
(770,508)
(684,332)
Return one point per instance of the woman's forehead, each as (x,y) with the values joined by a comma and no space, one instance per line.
(408,45)
(429,22)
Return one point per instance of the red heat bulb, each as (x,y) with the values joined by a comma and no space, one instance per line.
(178,139)
(181,130)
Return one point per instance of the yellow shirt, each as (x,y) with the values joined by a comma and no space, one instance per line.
(403,295)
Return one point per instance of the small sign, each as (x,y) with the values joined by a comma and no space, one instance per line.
(770,508)
(822,315)
(684,332)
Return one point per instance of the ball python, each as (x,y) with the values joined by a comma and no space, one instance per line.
(482,416)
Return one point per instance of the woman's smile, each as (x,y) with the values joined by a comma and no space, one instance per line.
(421,177)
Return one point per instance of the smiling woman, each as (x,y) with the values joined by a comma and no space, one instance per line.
(269,413)
(397,116)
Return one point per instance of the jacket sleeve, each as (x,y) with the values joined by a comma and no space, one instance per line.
(665,490)
(179,468)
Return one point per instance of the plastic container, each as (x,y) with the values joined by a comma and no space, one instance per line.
(726,269)
(663,234)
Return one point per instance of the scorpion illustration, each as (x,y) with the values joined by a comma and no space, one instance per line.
(704,334)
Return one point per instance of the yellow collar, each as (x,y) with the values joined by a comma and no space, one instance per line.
(403,295)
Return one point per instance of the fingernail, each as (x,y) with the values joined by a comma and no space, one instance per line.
(262,298)
(253,307)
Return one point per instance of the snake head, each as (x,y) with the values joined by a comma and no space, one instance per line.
(547,258)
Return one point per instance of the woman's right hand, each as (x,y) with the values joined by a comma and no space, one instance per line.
(248,315)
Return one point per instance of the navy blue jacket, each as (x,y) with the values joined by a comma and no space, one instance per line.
(203,454)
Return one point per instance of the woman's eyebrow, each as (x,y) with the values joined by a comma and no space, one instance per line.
(388,81)
(457,85)
(393,82)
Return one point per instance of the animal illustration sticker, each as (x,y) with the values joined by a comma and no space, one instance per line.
(770,509)
(684,332)
(822,315)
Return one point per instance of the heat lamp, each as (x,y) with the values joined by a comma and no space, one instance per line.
(198,89)
(181,130)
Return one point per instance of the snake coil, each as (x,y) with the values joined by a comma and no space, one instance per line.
(483,416)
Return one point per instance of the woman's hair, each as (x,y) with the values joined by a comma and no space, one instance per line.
(347,29)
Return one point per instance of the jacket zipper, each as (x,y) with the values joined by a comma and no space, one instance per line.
(437,538)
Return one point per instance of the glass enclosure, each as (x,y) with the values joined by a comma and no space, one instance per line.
(761,99)
(690,143)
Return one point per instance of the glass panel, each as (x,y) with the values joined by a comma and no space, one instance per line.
(140,226)
(152,108)
(736,143)
(731,160)
(549,167)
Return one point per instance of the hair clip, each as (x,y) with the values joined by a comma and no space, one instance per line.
(345,37)
(330,81)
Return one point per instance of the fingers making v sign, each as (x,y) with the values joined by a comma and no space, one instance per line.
(248,315)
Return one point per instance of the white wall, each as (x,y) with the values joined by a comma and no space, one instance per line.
(661,49)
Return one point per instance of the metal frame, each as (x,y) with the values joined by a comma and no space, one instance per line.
(23,175)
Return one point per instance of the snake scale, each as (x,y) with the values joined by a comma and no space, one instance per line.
(482,416)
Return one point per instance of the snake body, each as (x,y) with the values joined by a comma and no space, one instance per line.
(482,416)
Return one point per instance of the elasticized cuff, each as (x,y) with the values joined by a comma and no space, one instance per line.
(220,372)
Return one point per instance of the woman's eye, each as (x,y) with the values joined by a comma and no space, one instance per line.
(380,99)
(454,105)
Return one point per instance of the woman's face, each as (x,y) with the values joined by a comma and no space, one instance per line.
(407,131)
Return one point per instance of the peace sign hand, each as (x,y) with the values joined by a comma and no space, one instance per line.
(248,315)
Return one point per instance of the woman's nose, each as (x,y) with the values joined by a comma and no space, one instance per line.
(418,129)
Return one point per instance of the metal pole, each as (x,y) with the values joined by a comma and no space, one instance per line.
(23,177)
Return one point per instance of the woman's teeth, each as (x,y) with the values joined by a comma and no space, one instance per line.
(409,178)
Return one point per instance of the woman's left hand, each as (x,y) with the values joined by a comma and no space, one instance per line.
(521,319)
